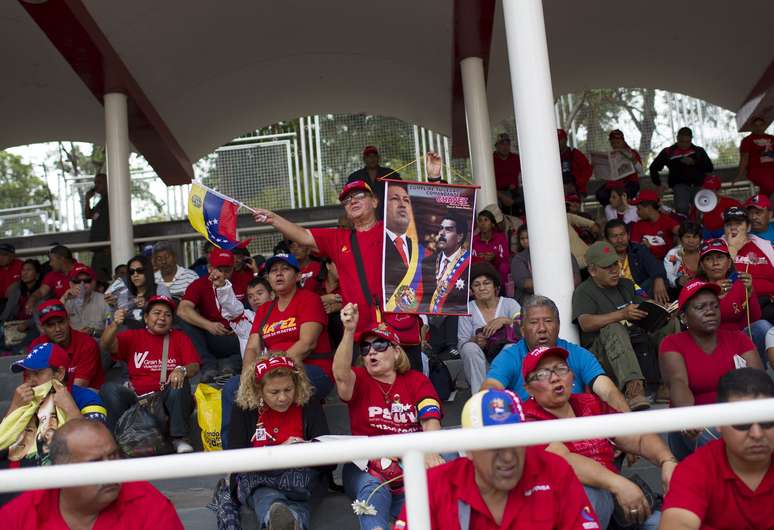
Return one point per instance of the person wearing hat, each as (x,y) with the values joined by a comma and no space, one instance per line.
(687,163)
(10,270)
(85,306)
(372,172)
(82,349)
(603,306)
(655,230)
(549,381)
(55,282)
(203,321)
(243,272)
(168,272)
(507,169)
(618,204)
(143,352)
(628,168)
(509,487)
(693,361)
(356,252)
(576,169)
(712,221)
(384,396)
(756,157)
(759,213)
(751,254)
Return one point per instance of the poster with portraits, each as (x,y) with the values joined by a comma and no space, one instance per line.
(428,230)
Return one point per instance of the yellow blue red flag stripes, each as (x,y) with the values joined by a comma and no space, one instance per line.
(214,216)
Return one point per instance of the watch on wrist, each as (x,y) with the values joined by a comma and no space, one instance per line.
(184,370)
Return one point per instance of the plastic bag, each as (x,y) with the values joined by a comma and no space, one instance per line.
(142,430)
(209,415)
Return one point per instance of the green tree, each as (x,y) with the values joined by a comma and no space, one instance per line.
(19,186)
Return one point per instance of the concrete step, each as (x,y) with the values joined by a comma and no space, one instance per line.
(8,384)
(6,361)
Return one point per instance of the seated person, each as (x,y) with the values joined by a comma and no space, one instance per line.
(55,282)
(203,323)
(549,382)
(490,314)
(693,361)
(758,209)
(240,318)
(128,505)
(637,263)
(682,262)
(15,309)
(512,487)
(132,293)
(655,230)
(603,306)
(619,207)
(82,350)
(168,272)
(629,162)
(490,245)
(712,221)
(274,406)
(86,307)
(728,483)
(143,351)
(540,327)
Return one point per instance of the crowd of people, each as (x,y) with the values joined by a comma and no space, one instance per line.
(671,306)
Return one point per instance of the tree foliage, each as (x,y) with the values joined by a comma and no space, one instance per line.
(19,186)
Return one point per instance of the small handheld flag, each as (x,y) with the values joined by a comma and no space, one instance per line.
(214,216)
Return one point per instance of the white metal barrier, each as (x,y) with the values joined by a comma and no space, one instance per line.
(411,447)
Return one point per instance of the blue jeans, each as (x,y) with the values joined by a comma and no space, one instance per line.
(682,446)
(358,485)
(262,499)
(758,330)
(604,505)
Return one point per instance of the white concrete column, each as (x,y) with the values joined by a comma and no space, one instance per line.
(479,129)
(119,185)
(533,102)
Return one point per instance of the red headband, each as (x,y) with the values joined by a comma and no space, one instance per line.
(272,363)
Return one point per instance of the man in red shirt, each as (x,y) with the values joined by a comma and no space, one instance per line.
(83,351)
(655,230)
(360,206)
(712,221)
(507,168)
(728,483)
(243,273)
(131,505)
(203,323)
(55,283)
(10,268)
(756,158)
(511,488)
(576,169)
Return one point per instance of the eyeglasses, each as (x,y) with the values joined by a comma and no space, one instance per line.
(81,280)
(379,345)
(742,427)
(139,270)
(359,195)
(544,374)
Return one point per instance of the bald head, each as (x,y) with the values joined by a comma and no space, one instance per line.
(82,440)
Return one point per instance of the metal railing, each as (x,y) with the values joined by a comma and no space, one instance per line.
(410,447)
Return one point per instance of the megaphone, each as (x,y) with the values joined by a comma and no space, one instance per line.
(705,201)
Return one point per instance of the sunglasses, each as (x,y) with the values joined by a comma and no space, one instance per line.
(81,280)
(379,345)
(136,271)
(765,425)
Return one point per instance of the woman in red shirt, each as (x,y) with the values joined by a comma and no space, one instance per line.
(491,245)
(274,406)
(548,380)
(693,361)
(384,397)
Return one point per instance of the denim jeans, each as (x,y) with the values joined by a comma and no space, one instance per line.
(262,499)
(682,446)
(358,485)
(758,330)
(604,505)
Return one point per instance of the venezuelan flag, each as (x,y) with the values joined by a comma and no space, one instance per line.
(214,216)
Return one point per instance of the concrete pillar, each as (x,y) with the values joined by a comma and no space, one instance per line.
(119,185)
(479,129)
(533,103)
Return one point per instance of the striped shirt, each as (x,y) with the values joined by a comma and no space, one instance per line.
(183,278)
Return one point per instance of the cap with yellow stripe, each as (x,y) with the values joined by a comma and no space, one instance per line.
(492,407)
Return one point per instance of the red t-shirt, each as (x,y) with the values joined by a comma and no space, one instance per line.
(239,281)
(751,259)
(506,171)
(733,314)
(760,147)
(139,506)
(705,484)
(659,233)
(201,294)
(547,497)
(9,274)
(713,220)
(598,449)
(278,426)
(334,244)
(57,282)
(307,279)
(705,370)
(142,351)
(283,328)
(378,408)
(84,355)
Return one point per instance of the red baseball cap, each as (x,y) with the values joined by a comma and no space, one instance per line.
(51,309)
(572,197)
(158,299)
(561,134)
(79,269)
(370,150)
(355,185)
(645,196)
(693,288)
(712,182)
(759,201)
(221,258)
(382,330)
(714,245)
(531,361)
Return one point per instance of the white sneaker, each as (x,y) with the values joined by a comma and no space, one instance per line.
(181,446)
